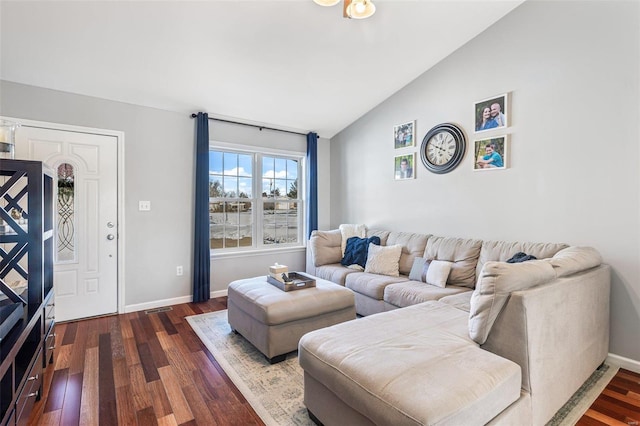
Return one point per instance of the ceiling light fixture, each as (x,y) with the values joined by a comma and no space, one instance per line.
(353,9)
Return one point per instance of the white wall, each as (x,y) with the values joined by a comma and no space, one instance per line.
(572,69)
(159,166)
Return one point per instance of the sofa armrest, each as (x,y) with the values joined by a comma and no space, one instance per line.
(558,333)
(324,248)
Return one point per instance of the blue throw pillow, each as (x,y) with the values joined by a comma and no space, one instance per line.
(355,253)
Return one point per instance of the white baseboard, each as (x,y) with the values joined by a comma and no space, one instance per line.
(626,363)
(168,302)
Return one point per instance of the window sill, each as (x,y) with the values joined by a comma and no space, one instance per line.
(256,252)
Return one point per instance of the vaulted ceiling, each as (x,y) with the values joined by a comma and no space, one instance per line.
(291,64)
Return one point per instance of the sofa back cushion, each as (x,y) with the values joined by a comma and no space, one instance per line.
(501,251)
(326,247)
(413,246)
(462,252)
(383,235)
(496,282)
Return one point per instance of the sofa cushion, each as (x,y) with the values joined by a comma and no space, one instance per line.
(413,292)
(433,373)
(459,300)
(496,282)
(384,235)
(371,285)
(500,251)
(347,231)
(434,272)
(335,273)
(462,252)
(325,246)
(383,260)
(575,259)
(413,246)
(356,251)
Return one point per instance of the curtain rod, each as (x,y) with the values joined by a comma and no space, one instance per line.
(251,125)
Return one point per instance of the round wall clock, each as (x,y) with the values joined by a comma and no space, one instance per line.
(443,148)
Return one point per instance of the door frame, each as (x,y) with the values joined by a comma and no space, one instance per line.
(119,135)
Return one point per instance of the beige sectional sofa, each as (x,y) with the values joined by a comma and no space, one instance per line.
(499,344)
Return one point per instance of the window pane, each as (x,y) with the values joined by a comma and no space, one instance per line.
(230,164)
(245,165)
(267,188)
(245,224)
(215,162)
(292,169)
(292,191)
(215,186)
(280,188)
(230,187)
(66,218)
(245,187)
(268,224)
(280,168)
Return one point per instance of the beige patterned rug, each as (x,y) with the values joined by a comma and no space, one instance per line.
(276,391)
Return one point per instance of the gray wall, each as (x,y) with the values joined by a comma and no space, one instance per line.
(159,166)
(572,69)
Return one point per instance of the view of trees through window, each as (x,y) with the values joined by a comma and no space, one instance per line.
(238,213)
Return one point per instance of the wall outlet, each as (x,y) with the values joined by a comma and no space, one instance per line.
(144,206)
(179,271)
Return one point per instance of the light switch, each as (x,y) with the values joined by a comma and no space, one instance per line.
(144,206)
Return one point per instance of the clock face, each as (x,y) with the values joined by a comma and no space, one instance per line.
(443,148)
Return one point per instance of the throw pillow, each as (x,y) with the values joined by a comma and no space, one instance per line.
(348,230)
(434,272)
(356,251)
(383,260)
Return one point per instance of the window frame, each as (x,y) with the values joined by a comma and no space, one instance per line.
(257,153)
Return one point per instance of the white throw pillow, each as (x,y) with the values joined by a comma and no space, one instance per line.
(349,230)
(434,272)
(383,260)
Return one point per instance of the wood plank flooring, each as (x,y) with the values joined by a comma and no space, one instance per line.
(618,404)
(151,369)
(139,369)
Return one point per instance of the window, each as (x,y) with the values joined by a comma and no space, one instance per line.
(254,200)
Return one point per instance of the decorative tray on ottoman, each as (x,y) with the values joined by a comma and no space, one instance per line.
(299,282)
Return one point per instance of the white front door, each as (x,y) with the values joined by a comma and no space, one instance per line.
(86,257)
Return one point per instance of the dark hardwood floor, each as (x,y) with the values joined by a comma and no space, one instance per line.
(151,369)
(138,368)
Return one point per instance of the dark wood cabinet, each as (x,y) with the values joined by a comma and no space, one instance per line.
(27,197)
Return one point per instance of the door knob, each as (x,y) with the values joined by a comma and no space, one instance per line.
(110,237)
(110,225)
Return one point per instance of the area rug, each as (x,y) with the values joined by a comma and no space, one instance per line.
(276,391)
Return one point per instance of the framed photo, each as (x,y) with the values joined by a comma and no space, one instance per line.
(491,113)
(490,154)
(405,166)
(404,135)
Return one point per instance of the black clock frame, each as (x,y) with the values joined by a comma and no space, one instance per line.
(461,146)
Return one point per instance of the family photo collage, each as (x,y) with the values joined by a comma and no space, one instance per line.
(490,144)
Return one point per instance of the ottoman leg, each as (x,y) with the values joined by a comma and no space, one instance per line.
(276,359)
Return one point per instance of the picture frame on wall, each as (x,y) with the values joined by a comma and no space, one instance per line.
(490,153)
(491,113)
(404,135)
(404,166)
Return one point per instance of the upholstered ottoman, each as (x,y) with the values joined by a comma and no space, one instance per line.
(274,320)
